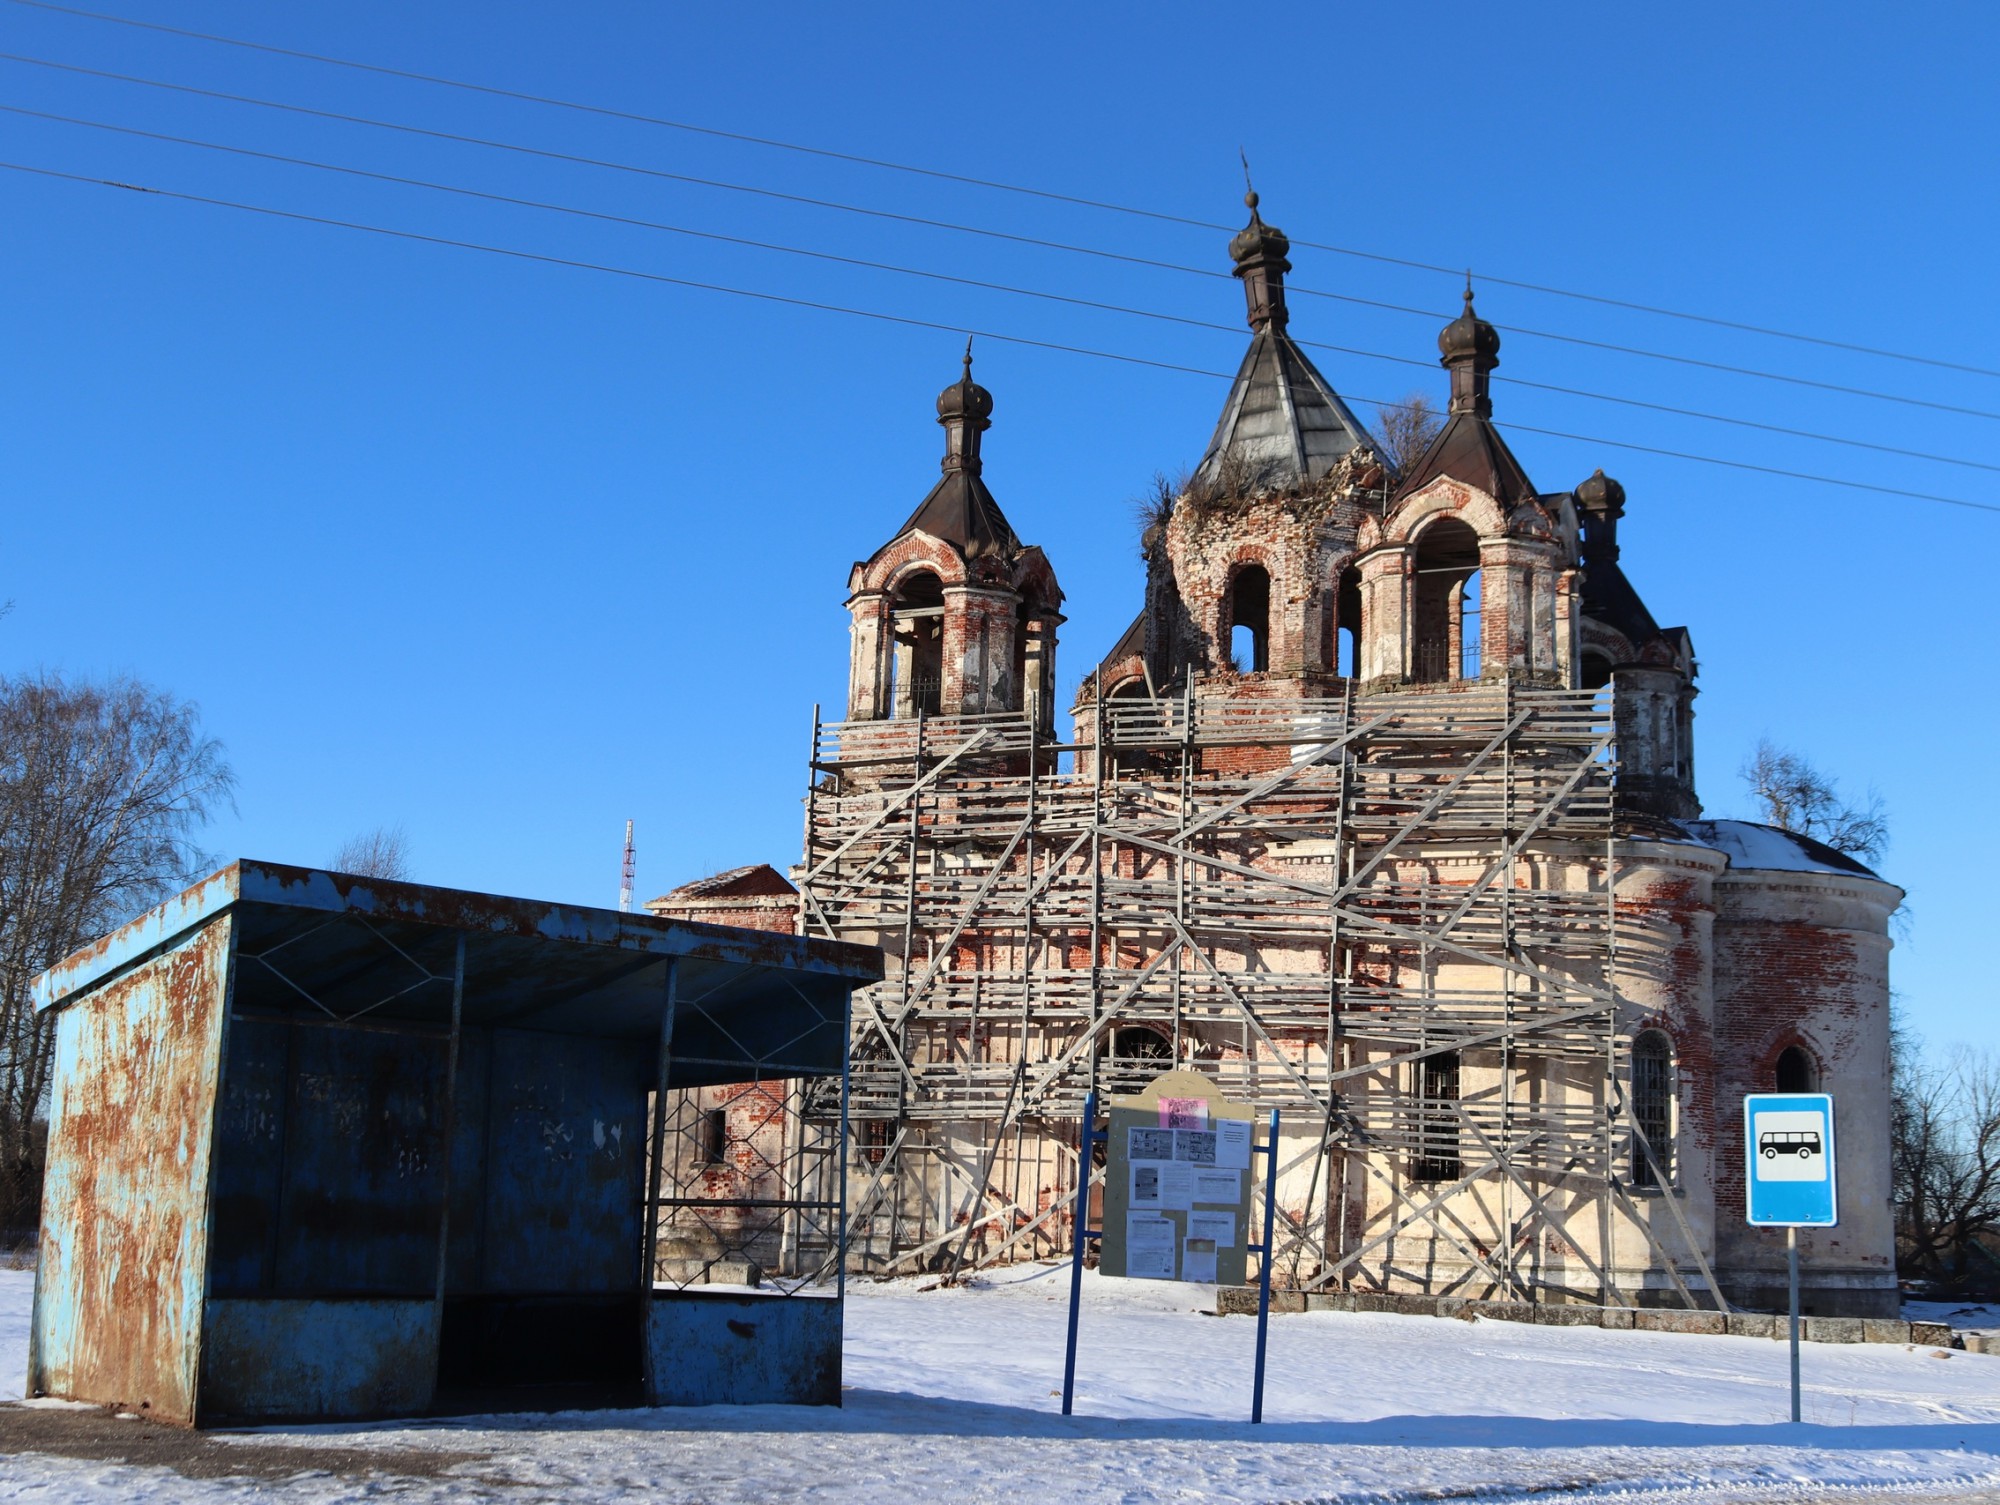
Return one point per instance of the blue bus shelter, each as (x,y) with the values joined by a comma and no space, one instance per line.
(324,1146)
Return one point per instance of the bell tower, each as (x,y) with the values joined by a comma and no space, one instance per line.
(954,615)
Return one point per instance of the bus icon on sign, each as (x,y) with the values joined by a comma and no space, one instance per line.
(1803,1143)
(1788,1153)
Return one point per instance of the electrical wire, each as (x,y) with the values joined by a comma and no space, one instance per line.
(515,253)
(952,278)
(964,229)
(635,117)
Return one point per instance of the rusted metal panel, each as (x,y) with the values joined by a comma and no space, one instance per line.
(364,1163)
(330,1175)
(717,1350)
(118,1288)
(309,1360)
(565,1163)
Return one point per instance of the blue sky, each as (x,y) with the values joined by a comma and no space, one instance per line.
(508,553)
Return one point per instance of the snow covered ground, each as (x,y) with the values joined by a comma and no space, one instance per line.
(952,1395)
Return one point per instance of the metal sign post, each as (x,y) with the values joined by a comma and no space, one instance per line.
(1263,1251)
(1080,1232)
(1789,1179)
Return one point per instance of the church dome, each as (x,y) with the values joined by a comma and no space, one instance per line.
(1600,494)
(1257,238)
(965,398)
(1469,337)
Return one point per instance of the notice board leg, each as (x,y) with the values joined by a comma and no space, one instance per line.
(1079,1232)
(1792,1278)
(1264,1266)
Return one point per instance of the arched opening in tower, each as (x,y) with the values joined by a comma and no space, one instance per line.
(1347,624)
(1250,620)
(1448,602)
(917,669)
(1795,1071)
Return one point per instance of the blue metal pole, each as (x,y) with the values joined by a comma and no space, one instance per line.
(1086,1142)
(1264,1265)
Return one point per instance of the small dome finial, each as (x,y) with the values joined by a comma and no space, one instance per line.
(1249,189)
(966,410)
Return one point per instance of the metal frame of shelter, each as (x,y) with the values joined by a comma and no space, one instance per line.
(1045,897)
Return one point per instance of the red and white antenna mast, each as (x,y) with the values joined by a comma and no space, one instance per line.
(626,872)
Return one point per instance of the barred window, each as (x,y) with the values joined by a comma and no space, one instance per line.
(1437,1157)
(711,1135)
(1653,1108)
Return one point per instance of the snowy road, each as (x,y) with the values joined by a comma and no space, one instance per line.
(951,1396)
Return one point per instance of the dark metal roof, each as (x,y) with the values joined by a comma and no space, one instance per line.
(1610,598)
(352,946)
(1469,449)
(962,512)
(1132,641)
(1283,424)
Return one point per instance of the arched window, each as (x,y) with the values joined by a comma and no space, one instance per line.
(1653,1108)
(1134,1055)
(1795,1071)
(1250,620)
(1447,603)
(1437,1157)
(1595,671)
(916,677)
(1347,628)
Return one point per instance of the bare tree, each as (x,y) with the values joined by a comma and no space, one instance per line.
(102,790)
(1798,797)
(381,853)
(1944,1136)
(1406,429)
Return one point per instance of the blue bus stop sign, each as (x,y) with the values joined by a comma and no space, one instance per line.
(1788,1160)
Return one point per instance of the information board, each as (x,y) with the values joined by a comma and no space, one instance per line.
(1789,1174)
(1177,1184)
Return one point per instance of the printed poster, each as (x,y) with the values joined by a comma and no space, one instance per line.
(1183,1113)
(1217,1227)
(1146,1187)
(1225,1187)
(1149,1247)
(1232,1143)
(1198,1261)
(1196,1146)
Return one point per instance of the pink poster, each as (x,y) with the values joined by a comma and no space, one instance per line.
(1183,1113)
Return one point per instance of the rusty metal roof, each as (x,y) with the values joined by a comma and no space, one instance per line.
(1469,449)
(962,512)
(351,945)
(1283,425)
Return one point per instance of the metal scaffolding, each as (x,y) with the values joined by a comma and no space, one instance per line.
(1390,915)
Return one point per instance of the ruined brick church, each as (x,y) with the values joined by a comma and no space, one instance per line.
(1383,813)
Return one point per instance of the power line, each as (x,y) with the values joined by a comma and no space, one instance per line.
(635,117)
(514,253)
(962,281)
(964,229)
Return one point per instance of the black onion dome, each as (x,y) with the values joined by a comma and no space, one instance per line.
(1600,494)
(965,398)
(1469,336)
(1257,238)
